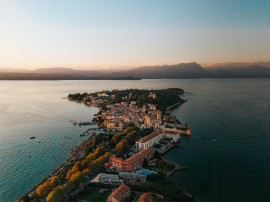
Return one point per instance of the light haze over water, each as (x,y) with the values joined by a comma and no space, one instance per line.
(228,152)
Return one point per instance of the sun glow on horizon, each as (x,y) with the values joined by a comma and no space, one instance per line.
(126,34)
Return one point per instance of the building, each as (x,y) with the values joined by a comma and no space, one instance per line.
(122,177)
(145,197)
(182,129)
(119,194)
(149,140)
(132,178)
(117,124)
(107,179)
(152,95)
(153,120)
(133,163)
(97,102)
(102,95)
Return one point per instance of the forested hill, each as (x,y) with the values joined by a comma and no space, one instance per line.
(163,98)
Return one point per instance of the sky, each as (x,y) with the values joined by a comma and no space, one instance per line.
(96,34)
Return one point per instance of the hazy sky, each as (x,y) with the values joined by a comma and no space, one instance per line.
(126,33)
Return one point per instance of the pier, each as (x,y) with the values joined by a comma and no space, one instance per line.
(85,123)
(87,131)
(176,168)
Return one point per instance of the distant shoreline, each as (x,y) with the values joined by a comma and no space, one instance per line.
(53,77)
(4,78)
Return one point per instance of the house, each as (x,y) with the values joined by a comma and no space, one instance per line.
(102,95)
(145,197)
(119,194)
(152,95)
(110,124)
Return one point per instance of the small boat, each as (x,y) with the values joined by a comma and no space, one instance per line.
(74,122)
(73,146)
(32,137)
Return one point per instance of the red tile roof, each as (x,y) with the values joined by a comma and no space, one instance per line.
(120,193)
(145,197)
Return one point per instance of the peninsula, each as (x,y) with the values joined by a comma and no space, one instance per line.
(122,159)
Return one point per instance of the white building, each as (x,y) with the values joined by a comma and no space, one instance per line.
(102,95)
(149,140)
(107,179)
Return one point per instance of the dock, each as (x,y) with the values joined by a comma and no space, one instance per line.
(86,132)
(176,168)
(168,148)
(86,123)
(182,129)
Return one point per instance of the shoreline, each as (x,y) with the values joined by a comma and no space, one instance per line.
(178,168)
(176,105)
(57,169)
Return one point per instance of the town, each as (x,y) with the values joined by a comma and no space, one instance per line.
(121,160)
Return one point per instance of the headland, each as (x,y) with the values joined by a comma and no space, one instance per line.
(134,129)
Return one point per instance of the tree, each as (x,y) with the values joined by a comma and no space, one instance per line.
(90,157)
(99,138)
(86,171)
(99,151)
(129,129)
(69,173)
(56,194)
(131,137)
(122,146)
(131,124)
(76,178)
(116,138)
(44,189)
(145,163)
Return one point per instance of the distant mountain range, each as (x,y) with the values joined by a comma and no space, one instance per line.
(183,70)
(178,71)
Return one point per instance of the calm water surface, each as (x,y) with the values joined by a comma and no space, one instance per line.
(228,152)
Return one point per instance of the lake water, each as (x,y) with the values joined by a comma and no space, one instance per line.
(228,152)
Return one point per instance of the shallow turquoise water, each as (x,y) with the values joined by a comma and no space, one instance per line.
(228,152)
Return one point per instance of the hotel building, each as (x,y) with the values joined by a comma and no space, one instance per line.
(133,163)
(149,140)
